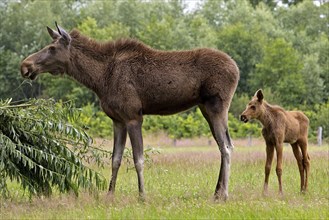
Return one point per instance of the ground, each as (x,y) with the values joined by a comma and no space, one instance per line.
(180,182)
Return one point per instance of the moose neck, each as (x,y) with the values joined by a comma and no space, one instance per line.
(85,67)
(266,116)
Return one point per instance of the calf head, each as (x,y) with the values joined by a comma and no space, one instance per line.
(54,58)
(254,108)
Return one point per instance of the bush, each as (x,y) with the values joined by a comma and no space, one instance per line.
(183,125)
(319,117)
(34,140)
(239,129)
(95,121)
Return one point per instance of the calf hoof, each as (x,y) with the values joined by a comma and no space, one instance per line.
(110,195)
(280,194)
(265,193)
(303,191)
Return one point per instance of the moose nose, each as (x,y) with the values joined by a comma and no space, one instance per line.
(26,68)
(243,118)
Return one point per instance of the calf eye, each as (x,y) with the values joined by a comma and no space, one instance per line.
(253,107)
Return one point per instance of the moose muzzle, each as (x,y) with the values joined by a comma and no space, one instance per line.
(28,69)
(244,118)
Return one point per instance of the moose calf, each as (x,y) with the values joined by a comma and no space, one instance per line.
(280,126)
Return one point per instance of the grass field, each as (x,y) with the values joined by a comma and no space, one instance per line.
(180,184)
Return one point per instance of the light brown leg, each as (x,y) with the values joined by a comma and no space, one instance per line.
(299,159)
(268,164)
(279,158)
(306,160)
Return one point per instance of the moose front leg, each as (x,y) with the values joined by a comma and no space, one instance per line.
(120,136)
(268,164)
(135,133)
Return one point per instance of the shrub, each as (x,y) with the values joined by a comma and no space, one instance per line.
(41,149)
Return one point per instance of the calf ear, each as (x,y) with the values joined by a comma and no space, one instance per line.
(53,34)
(66,38)
(259,95)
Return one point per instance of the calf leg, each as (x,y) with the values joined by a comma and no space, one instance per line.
(120,135)
(299,159)
(306,160)
(279,158)
(134,128)
(268,164)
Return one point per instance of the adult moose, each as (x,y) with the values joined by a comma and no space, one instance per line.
(132,79)
(280,126)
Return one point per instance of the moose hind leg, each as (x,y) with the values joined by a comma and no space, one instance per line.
(120,136)
(306,160)
(135,133)
(279,158)
(299,159)
(217,115)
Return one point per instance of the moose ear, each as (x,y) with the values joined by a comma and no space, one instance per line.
(53,34)
(66,38)
(259,95)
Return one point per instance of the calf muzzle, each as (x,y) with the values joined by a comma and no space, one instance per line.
(244,118)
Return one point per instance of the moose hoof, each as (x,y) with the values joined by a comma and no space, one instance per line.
(221,196)
(142,198)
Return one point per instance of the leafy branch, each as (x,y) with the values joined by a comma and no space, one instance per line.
(41,149)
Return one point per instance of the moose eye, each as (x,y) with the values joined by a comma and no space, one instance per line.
(253,107)
(52,48)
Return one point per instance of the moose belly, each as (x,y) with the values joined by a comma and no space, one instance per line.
(291,134)
(168,107)
(169,96)
(166,102)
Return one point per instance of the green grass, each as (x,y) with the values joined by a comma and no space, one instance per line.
(180,183)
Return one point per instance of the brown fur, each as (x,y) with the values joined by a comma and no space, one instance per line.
(131,80)
(280,126)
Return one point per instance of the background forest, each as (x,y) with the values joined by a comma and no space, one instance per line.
(280,46)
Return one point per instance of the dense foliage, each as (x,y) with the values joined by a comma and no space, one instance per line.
(40,149)
(280,46)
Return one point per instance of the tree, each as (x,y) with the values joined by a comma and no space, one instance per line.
(34,140)
(314,84)
(280,70)
(9,76)
(323,61)
(111,31)
(270,3)
(244,48)
(215,11)
(305,16)
(20,37)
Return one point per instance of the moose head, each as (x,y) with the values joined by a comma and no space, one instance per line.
(53,58)
(254,108)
